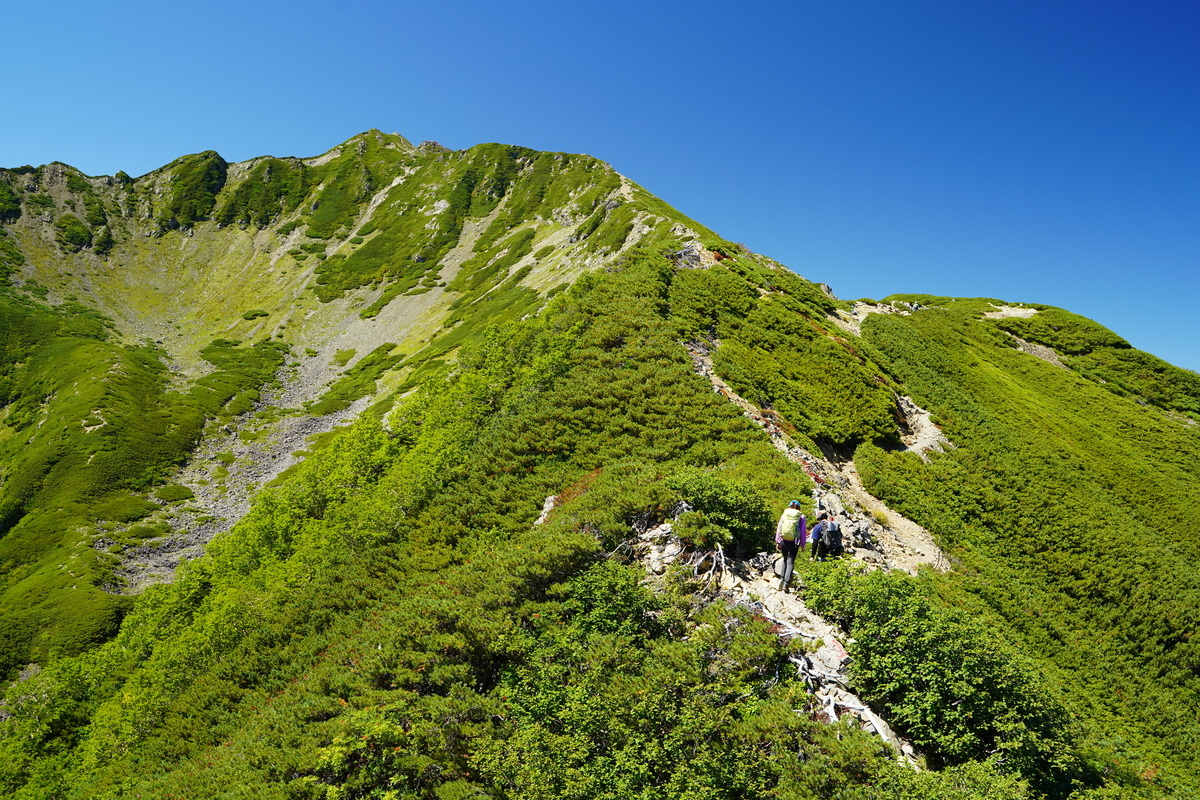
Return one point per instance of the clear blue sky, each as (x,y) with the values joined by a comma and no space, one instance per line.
(1040,151)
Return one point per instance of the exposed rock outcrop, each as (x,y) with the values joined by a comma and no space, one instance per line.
(753,584)
(693,255)
(917,430)
(1046,354)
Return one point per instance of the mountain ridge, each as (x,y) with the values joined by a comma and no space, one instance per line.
(512,325)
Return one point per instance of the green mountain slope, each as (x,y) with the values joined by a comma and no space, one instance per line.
(1071,506)
(391,619)
(203,278)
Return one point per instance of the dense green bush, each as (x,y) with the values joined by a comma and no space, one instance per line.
(72,235)
(1065,332)
(726,511)
(174,493)
(358,381)
(10,203)
(1058,501)
(274,186)
(111,428)
(103,241)
(194,182)
(946,682)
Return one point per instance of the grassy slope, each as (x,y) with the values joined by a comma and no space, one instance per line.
(1072,511)
(349,252)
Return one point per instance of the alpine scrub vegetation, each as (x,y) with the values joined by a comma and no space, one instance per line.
(415,634)
(404,615)
(142,359)
(1070,506)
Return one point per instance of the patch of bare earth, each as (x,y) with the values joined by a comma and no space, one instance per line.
(1009,311)
(1046,354)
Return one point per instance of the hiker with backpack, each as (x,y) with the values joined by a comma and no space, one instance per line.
(833,538)
(818,550)
(791,532)
(826,537)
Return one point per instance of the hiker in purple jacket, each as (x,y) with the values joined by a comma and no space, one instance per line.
(790,535)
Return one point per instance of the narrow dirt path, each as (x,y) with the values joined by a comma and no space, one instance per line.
(875,533)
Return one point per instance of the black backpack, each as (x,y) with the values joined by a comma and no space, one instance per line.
(832,535)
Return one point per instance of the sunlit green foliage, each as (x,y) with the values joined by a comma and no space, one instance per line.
(72,235)
(1070,509)
(10,257)
(10,203)
(778,350)
(443,504)
(358,381)
(173,493)
(103,241)
(388,621)
(414,227)
(729,511)
(365,165)
(87,420)
(483,269)
(944,680)
(547,182)
(194,182)
(1099,354)
(273,186)
(94,213)
(1142,377)
(1066,332)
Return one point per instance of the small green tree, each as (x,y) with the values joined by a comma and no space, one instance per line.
(724,511)
(10,206)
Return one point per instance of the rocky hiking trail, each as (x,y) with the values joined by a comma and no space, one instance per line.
(873,534)
(753,584)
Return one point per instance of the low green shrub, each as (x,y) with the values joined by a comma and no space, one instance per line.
(72,234)
(174,493)
(724,512)
(10,203)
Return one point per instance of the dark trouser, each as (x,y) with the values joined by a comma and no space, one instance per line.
(818,549)
(789,561)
